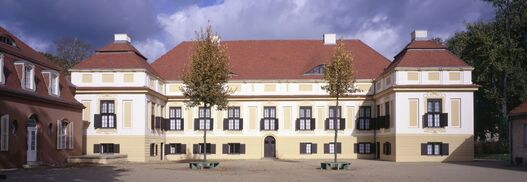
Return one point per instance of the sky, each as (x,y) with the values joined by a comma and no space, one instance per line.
(157,26)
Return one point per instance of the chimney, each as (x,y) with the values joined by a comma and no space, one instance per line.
(419,35)
(122,37)
(330,39)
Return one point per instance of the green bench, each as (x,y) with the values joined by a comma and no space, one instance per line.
(201,165)
(335,165)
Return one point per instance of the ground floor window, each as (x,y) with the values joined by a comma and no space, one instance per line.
(4,132)
(308,148)
(200,148)
(65,135)
(434,148)
(364,148)
(234,148)
(153,149)
(175,148)
(387,148)
(331,148)
(106,148)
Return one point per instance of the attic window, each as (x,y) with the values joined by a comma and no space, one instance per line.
(317,70)
(6,40)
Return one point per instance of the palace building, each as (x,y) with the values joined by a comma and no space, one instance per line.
(418,107)
(40,120)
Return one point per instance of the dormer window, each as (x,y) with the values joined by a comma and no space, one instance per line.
(26,73)
(2,77)
(51,78)
(317,70)
(7,40)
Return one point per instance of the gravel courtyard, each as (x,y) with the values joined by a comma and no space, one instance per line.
(274,170)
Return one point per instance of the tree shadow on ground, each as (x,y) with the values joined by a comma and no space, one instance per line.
(77,173)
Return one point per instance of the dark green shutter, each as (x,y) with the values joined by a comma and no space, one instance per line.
(225,124)
(444,149)
(96,148)
(314,148)
(97,121)
(356,148)
(302,148)
(423,149)
(326,148)
(338,147)
(443,119)
(242,148)
(116,148)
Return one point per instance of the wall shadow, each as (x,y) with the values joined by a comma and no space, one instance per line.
(82,173)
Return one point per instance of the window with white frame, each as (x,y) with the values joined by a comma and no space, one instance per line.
(269,121)
(332,148)
(4,132)
(2,77)
(65,135)
(434,149)
(54,84)
(176,118)
(233,117)
(28,76)
(107,114)
(305,120)
(204,118)
(334,118)
(434,112)
(365,148)
(364,118)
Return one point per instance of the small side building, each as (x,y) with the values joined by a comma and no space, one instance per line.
(518,119)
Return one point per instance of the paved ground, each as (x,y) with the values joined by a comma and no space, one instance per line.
(269,170)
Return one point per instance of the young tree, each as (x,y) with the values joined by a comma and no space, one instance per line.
(69,52)
(205,82)
(340,80)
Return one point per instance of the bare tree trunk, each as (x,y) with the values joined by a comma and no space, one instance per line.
(335,112)
(205,136)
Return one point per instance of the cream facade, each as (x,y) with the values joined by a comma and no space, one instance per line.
(403,114)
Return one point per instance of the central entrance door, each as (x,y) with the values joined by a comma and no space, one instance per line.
(269,147)
(31,140)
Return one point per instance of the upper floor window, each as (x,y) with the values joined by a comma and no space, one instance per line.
(317,70)
(7,40)
(27,73)
(204,120)
(269,120)
(305,121)
(435,117)
(175,118)
(2,77)
(335,119)
(106,118)
(53,81)
(233,121)
(364,118)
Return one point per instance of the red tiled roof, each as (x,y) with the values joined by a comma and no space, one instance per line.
(117,55)
(276,59)
(520,109)
(12,82)
(426,53)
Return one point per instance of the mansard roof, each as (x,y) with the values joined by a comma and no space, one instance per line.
(276,59)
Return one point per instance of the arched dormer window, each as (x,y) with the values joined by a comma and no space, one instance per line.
(7,40)
(317,70)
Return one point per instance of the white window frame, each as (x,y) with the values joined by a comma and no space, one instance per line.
(4,132)
(31,77)
(331,148)
(2,77)
(308,148)
(53,85)
(65,136)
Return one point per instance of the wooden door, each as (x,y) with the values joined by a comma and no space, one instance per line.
(269,147)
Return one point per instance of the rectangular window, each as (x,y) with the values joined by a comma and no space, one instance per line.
(2,79)
(365,148)
(310,148)
(269,120)
(4,132)
(434,112)
(62,132)
(201,149)
(234,148)
(107,114)
(334,117)
(176,119)
(364,118)
(329,148)
(204,118)
(332,148)
(434,149)
(304,121)
(28,77)
(54,84)
(107,148)
(176,148)
(233,118)
(387,148)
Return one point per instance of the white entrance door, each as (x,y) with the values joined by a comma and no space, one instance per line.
(31,144)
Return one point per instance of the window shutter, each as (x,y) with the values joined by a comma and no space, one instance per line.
(196,124)
(314,148)
(389,146)
(183,148)
(152,149)
(116,148)
(167,149)
(261,124)
(444,149)
(339,148)
(276,124)
(297,124)
(423,149)
(58,134)
(312,123)
(302,148)
(372,123)
(387,122)
(342,123)
(213,149)
(225,148)
(384,149)
(195,149)
(373,148)
(96,148)
(326,124)
(356,148)
(97,121)
(225,124)
(443,119)
(211,124)
(182,124)
(241,124)
(242,148)
(326,148)
(425,120)
(71,134)
(166,124)
(152,122)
